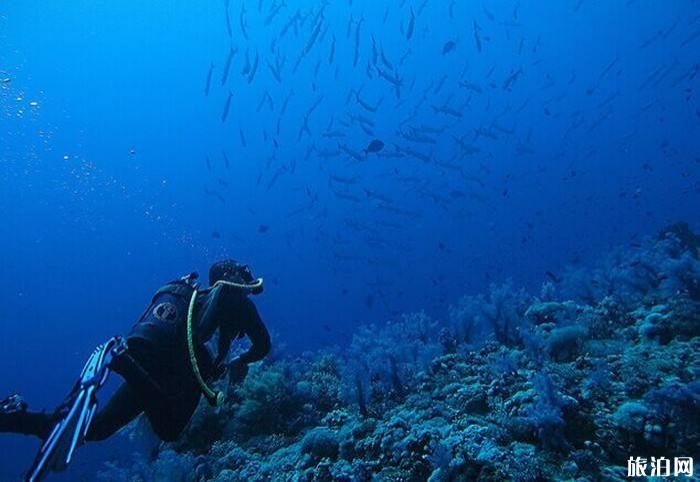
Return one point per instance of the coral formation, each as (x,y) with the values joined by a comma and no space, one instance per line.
(566,385)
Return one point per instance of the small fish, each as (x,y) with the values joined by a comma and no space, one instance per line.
(354,155)
(304,128)
(262,102)
(447,111)
(216,195)
(276,176)
(392,79)
(227,107)
(471,86)
(207,86)
(448,47)
(263,228)
(367,130)
(331,56)
(254,69)
(411,25)
(477,38)
(362,120)
(275,69)
(376,196)
(227,65)
(216,235)
(375,51)
(335,134)
(414,136)
(274,10)
(347,197)
(286,102)
(343,180)
(553,277)
(366,105)
(512,78)
(608,68)
(242,21)
(314,33)
(373,147)
(440,84)
(386,61)
(246,64)
(357,41)
(226,161)
(228,18)
(691,38)
(293,20)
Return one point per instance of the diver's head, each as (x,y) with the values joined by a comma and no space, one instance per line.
(230,270)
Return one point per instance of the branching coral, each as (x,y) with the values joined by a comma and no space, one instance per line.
(269,403)
(500,314)
(382,360)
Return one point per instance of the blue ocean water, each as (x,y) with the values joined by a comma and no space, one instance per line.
(519,138)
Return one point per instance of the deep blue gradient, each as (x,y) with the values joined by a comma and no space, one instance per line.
(105,190)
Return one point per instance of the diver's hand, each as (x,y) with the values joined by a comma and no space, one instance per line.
(237,371)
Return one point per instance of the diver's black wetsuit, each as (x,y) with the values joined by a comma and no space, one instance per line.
(170,393)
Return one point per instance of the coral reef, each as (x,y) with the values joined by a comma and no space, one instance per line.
(565,385)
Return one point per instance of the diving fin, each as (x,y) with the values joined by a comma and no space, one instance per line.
(13,404)
(76,414)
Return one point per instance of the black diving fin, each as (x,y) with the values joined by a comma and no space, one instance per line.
(13,404)
(76,414)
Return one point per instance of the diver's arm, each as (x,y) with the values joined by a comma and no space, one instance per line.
(216,309)
(256,331)
(223,346)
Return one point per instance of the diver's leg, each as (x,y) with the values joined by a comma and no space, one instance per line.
(124,406)
(121,409)
(27,423)
(15,418)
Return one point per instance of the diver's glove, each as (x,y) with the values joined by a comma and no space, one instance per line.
(237,371)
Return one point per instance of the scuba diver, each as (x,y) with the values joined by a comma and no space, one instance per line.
(164,362)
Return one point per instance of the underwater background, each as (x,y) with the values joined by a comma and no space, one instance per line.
(465,214)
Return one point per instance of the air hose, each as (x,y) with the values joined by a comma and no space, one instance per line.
(214,397)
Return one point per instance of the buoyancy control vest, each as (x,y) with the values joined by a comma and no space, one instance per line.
(165,341)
